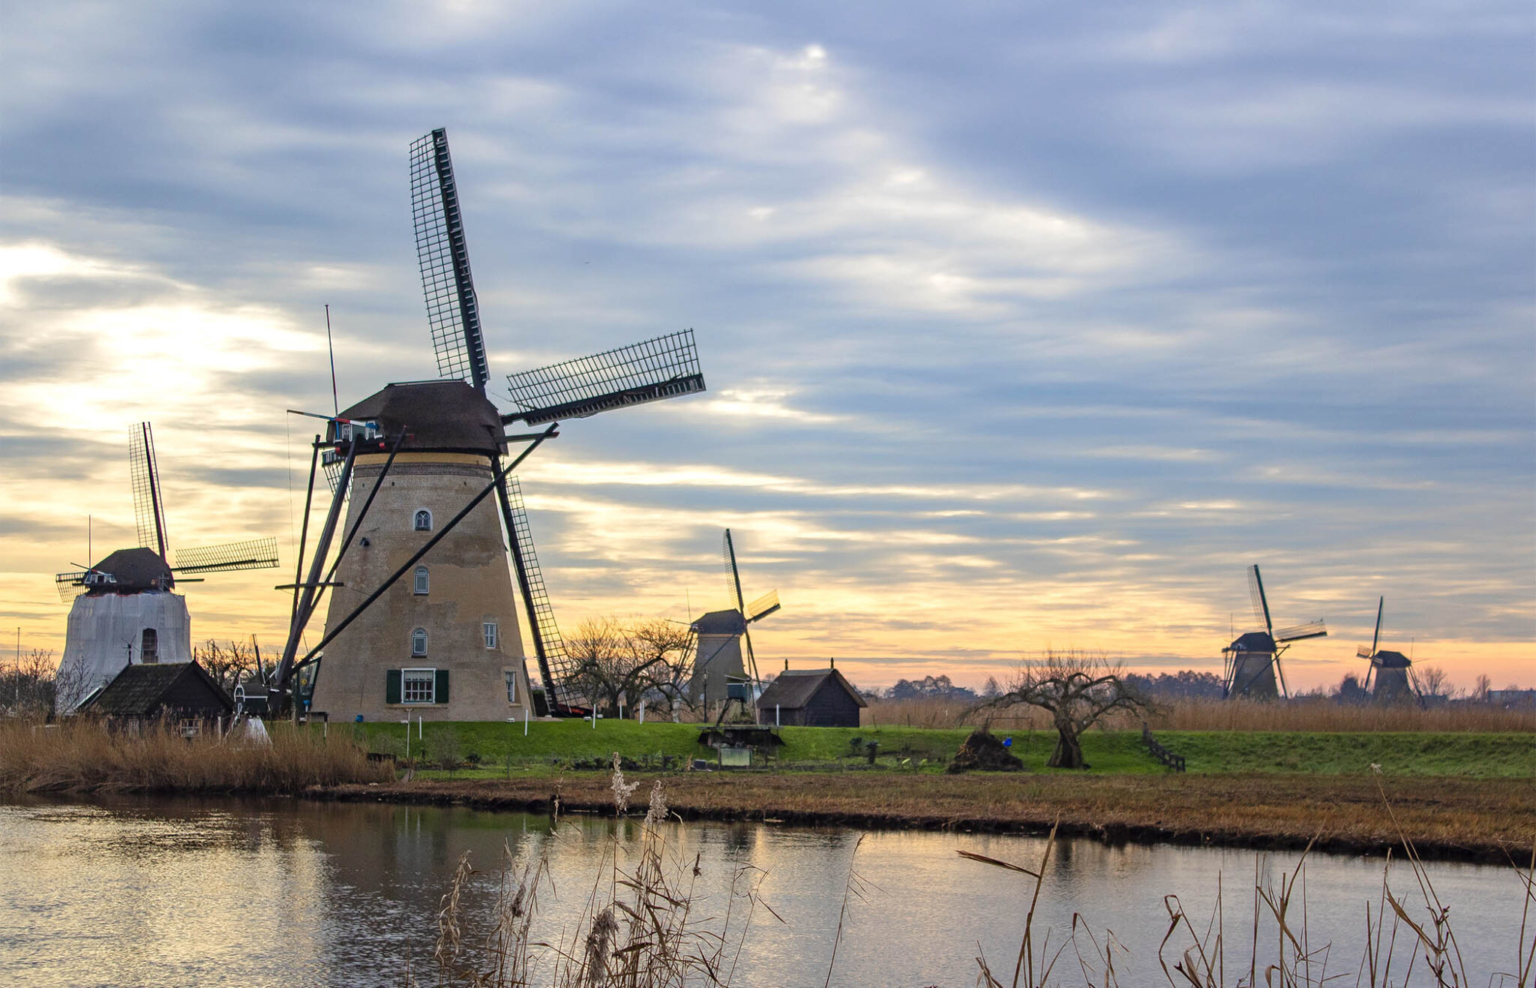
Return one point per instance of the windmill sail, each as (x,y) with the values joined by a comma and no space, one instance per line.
(762,606)
(555,667)
(1256,593)
(1301,632)
(664,367)
(253,554)
(148,507)
(452,309)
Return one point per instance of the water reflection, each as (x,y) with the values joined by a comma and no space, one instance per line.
(208,892)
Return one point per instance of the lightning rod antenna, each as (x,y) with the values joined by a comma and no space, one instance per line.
(335,402)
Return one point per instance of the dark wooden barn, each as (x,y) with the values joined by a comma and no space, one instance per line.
(180,692)
(811,698)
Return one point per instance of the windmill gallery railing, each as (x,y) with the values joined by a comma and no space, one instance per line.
(1168,758)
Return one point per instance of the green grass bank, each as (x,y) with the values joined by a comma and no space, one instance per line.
(552,746)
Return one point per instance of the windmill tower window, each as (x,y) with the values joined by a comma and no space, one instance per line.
(511,676)
(149,646)
(419,641)
(423,521)
(423,583)
(489,628)
(418,685)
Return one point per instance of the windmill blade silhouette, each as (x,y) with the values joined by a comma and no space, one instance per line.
(453,310)
(1260,604)
(148,505)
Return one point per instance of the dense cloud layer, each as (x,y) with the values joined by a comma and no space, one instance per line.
(1022,330)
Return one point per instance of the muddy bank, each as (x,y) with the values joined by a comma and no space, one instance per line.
(1447,819)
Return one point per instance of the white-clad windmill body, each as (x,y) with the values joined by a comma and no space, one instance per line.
(721,635)
(1252,661)
(1390,678)
(125,609)
(423,616)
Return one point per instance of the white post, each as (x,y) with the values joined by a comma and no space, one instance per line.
(775,715)
(642,711)
(594,716)
(407,723)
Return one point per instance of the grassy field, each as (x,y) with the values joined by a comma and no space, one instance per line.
(557,745)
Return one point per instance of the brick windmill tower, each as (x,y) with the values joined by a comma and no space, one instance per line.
(423,614)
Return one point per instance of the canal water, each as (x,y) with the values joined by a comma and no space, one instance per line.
(291,892)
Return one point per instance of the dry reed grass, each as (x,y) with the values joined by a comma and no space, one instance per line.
(1304,714)
(82,755)
(637,927)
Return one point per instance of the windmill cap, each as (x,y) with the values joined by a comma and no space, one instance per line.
(441,416)
(133,571)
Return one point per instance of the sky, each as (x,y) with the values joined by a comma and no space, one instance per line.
(1025,326)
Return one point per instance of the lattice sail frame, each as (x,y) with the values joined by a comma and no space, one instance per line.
(664,367)
(252,554)
(560,685)
(453,311)
(148,504)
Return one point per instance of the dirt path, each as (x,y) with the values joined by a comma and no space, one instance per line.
(1448,819)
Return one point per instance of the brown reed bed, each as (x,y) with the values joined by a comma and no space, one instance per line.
(1314,714)
(1447,818)
(83,755)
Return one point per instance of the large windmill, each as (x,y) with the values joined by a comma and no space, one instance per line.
(427,620)
(124,609)
(1253,660)
(721,635)
(1392,671)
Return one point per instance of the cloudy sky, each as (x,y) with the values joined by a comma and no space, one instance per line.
(1025,327)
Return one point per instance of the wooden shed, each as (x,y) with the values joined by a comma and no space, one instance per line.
(182,692)
(811,698)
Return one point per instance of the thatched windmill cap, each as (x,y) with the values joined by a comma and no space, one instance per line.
(441,416)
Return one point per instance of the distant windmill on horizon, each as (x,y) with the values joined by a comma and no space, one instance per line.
(1393,671)
(1252,661)
(124,610)
(721,634)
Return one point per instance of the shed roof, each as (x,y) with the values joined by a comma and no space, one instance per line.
(795,687)
(140,690)
(134,570)
(444,416)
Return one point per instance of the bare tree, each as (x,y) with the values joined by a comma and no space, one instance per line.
(1480,690)
(1076,689)
(666,653)
(1434,681)
(30,686)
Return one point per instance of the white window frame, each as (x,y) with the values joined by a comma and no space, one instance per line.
(405,685)
(490,631)
(421,581)
(511,677)
(416,519)
(426,641)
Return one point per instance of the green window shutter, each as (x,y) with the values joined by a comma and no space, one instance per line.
(440,694)
(392,686)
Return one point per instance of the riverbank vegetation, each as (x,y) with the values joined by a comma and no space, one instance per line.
(1458,819)
(490,750)
(83,755)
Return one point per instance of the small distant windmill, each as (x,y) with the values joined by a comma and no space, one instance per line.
(123,607)
(1393,671)
(1253,660)
(722,633)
